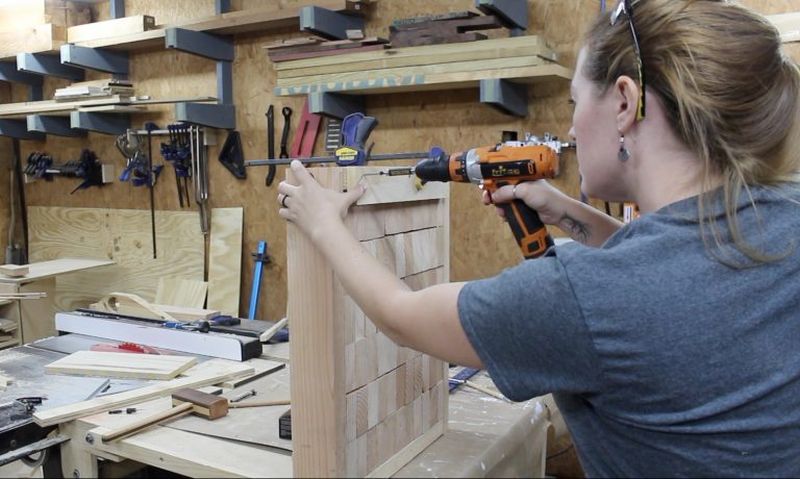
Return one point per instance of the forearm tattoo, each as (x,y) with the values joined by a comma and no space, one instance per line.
(577,230)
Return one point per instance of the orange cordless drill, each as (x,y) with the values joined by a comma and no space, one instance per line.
(507,163)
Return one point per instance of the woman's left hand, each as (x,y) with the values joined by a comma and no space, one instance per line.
(311,207)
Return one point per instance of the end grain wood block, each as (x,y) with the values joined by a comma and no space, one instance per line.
(357,397)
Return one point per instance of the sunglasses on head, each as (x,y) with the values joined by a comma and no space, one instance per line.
(626,7)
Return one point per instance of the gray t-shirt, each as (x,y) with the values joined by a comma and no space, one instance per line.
(663,361)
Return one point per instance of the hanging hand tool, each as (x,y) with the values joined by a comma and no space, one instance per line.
(200,166)
(271,145)
(178,152)
(261,258)
(305,137)
(356,129)
(232,155)
(150,126)
(17,251)
(287,124)
(492,167)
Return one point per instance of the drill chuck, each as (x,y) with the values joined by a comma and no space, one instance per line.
(434,168)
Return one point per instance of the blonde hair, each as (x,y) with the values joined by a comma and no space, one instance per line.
(729,90)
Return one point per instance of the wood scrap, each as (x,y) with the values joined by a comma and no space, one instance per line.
(442,31)
(14,270)
(130,305)
(179,291)
(210,372)
(261,368)
(432,18)
(16,296)
(312,49)
(121,365)
(183,313)
(268,334)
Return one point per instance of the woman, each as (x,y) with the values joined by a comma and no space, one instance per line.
(670,343)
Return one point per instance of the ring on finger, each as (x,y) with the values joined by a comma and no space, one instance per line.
(283,201)
(514,192)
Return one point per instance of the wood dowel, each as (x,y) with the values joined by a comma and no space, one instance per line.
(281,402)
(125,431)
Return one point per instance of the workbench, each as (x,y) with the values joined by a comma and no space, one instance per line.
(487,437)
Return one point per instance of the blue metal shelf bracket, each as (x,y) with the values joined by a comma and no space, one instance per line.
(18,129)
(204,114)
(117,8)
(223,114)
(106,61)
(200,43)
(508,97)
(327,23)
(107,123)
(513,14)
(335,105)
(42,64)
(10,73)
(53,125)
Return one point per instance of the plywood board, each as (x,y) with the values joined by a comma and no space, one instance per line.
(121,365)
(225,260)
(361,404)
(184,292)
(110,28)
(121,236)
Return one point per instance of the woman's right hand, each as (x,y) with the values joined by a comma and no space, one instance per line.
(540,195)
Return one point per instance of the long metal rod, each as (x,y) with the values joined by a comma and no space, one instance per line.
(333,159)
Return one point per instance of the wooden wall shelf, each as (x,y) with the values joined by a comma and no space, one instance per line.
(231,23)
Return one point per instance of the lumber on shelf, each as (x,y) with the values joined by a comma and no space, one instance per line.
(110,28)
(37,39)
(421,68)
(242,21)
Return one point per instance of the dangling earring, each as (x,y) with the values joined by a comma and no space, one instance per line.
(623,155)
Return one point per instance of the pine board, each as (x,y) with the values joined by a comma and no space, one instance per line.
(110,28)
(33,39)
(225,260)
(122,236)
(121,365)
(210,372)
(417,56)
(362,405)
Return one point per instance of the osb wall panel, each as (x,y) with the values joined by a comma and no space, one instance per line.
(482,245)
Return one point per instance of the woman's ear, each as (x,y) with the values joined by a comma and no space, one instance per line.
(626,101)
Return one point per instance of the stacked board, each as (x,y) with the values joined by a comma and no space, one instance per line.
(421,67)
(362,405)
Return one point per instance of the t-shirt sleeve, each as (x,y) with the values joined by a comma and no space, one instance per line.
(527,328)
